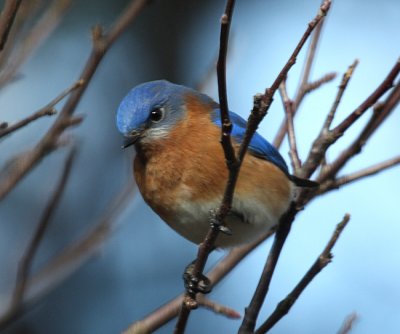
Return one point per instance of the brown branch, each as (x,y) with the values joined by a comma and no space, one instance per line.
(301,90)
(284,226)
(34,38)
(27,259)
(189,300)
(288,106)
(370,101)
(47,110)
(342,87)
(380,114)
(71,258)
(348,323)
(23,163)
(328,137)
(170,310)
(320,263)
(7,17)
(218,308)
(319,82)
(369,171)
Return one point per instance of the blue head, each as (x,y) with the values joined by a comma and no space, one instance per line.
(151,110)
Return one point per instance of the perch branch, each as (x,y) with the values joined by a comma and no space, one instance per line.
(189,300)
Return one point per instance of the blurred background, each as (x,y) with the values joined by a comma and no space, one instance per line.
(141,262)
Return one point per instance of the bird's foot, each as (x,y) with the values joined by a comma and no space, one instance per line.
(196,283)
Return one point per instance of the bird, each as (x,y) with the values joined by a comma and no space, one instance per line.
(180,167)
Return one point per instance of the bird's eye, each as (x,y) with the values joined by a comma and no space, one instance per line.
(157,115)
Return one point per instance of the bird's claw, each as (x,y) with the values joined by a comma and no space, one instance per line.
(196,284)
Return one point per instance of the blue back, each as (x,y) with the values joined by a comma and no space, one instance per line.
(258,147)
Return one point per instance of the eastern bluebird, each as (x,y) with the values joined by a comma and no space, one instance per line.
(180,166)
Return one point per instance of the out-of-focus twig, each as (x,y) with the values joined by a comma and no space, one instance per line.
(320,263)
(36,35)
(7,17)
(24,162)
(348,323)
(71,258)
(47,110)
(27,259)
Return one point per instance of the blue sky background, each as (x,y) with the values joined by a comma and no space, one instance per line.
(140,266)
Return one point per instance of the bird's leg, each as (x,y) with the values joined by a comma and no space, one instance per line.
(198,282)
(195,283)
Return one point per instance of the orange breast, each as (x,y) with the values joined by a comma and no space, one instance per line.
(189,166)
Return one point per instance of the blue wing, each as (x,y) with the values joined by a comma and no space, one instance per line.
(259,146)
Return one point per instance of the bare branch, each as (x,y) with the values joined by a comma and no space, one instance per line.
(218,308)
(7,17)
(319,82)
(47,110)
(348,323)
(23,163)
(386,84)
(301,90)
(320,263)
(342,87)
(70,259)
(288,106)
(369,171)
(380,114)
(27,259)
(256,116)
(34,38)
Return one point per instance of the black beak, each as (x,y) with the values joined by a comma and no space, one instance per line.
(131,139)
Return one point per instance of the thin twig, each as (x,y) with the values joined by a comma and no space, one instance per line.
(23,163)
(168,311)
(327,138)
(70,259)
(189,300)
(303,82)
(386,84)
(27,259)
(319,82)
(348,323)
(342,87)
(7,17)
(284,226)
(288,106)
(320,263)
(379,115)
(47,110)
(35,36)
(365,172)
(218,308)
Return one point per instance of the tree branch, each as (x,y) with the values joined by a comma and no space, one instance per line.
(70,259)
(23,163)
(47,110)
(303,83)
(27,259)
(7,17)
(320,263)
(288,106)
